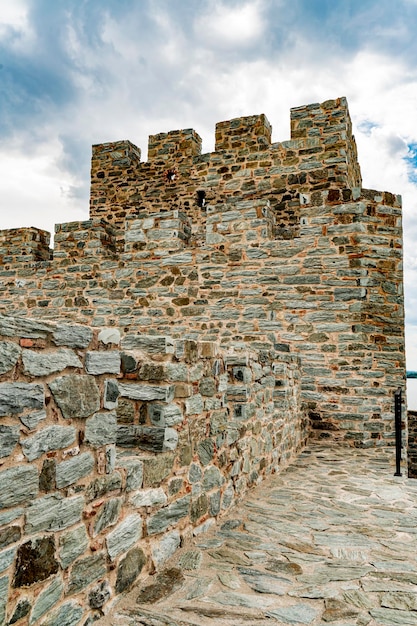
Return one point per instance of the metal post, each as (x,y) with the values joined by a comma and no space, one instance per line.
(397,411)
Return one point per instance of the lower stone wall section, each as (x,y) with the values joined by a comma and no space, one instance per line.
(412,444)
(114,450)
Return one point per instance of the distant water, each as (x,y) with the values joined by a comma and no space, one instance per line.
(412,394)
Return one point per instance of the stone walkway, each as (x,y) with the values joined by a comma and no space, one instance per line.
(331,540)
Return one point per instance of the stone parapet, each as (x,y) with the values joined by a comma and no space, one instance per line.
(116,448)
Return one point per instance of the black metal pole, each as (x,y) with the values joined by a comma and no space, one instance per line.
(397,411)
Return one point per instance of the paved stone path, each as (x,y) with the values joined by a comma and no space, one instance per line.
(331,540)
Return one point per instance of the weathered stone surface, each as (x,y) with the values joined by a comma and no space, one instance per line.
(45,363)
(68,614)
(53,512)
(15,397)
(190,560)
(9,436)
(21,610)
(76,395)
(4,588)
(129,569)
(104,485)
(23,327)
(9,355)
(199,507)
(108,515)
(194,405)
(99,595)
(47,439)
(124,536)
(100,429)
(9,535)
(103,362)
(47,600)
(391,617)
(35,561)
(18,485)
(72,545)
(212,478)
(85,571)
(10,516)
(32,420)
(146,393)
(68,472)
(149,438)
(111,394)
(109,335)
(72,336)
(205,451)
(295,614)
(47,477)
(149,497)
(149,344)
(165,414)
(134,473)
(161,520)
(6,558)
(166,583)
(165,548)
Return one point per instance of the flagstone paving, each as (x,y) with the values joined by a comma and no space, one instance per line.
(330,540)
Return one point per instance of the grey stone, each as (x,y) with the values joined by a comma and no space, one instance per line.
(11,326)
(134,473)
(166,582)
(4,592)
(205,451)
(47,477)
(104,485)
(100,429)
(103,362)
(190,560)
(124,536)
(392,617)
(35,561)
(21,610)
(32,420)
(295,614)
(53,512)
(45,363)
(214,503)
(68,472)
(9,436)
(148,497)
(15,397)
(48,439)
(109,335)
(265,583)
(72,545)
(161,520)
(99,595)
(399,600)
(177,372)
(129,569)
(9,516)
(9,355)
(47,599)
(195,473)
(149,438)
(72,336)
(165,414)
(76,395)
(111,394)
(110,458)
(108,515)
(242,599)
(169,543)
(170,439)
(149,344)
(156,469)
(212,478)
(146,393)
(6,558)
(194,405)
(85,571)
(18,484)
(9,535)
(69,614)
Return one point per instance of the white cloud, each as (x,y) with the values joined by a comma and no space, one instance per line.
(230,26)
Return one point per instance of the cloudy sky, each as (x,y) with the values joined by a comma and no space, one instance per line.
(78,72)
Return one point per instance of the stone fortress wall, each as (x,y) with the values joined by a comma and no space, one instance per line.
(114,451)
(269,251)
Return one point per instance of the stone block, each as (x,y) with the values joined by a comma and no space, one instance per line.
(9,436)
(85,571)
(32,420)
(129,569)
(69,472)
(9,535)
(18,485)
(7,558)
(99,595)
(149,438)
(48,439)
(45,363)
(103,362)
(9,356)
(165,548)
(72,545)
(76,395)
(72,336)
(15,397)
(35,561)
(68,614)
(100,429)
(108,515)
(148,343)
(21,610)
(46,600)
(168,516)
(164,414)
(4,593)
(134,472)
(149,497)
(156,469)
(109,335)
(124,536)
(53,512)
(194,405)
(111,394)
(103,486)
(147,393)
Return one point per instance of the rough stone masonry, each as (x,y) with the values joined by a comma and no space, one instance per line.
(212,309)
